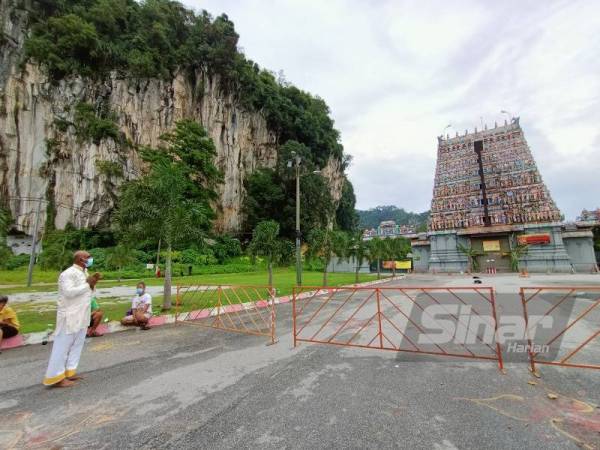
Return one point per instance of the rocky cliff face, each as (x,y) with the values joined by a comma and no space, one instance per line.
(39,159)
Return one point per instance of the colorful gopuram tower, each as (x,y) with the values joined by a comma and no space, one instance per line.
(488,199)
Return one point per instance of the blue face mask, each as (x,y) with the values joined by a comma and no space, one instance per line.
(139,291)
(89,262)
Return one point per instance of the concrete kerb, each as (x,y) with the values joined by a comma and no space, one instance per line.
(115,327)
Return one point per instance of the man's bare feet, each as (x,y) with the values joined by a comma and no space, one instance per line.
(75,378)
(63,384)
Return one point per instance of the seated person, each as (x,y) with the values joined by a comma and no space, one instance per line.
(141,308)
(95,319)
(9,323)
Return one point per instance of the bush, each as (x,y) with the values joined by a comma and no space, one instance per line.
(15,261)
(226,247)
(100,258)
(91,127)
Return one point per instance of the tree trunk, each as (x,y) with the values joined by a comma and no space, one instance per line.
(356,278)
(378,269)
(325,276)
(394,268)
(270,269)
(120,269)
(167,286)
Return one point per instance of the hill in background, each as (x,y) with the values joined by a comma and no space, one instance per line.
(371,218)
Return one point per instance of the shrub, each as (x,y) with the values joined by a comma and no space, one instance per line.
(226,247)
(91,127)
(15,261)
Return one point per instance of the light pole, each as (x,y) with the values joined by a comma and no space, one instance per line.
(296,160)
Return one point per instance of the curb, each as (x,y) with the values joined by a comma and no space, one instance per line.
(42,337)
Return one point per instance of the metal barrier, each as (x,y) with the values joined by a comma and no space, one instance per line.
(568,305)
(388,318)
(240,309)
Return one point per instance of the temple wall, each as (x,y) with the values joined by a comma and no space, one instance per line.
(421,254)
(445,255)
(580,248)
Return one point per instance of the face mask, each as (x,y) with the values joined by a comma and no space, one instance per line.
(89,262)
(139,291)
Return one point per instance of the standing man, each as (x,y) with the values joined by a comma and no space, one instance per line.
(75,289)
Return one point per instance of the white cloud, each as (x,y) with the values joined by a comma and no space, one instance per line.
(395,73)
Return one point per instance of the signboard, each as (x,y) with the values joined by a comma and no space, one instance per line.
(534,239)
(149,266)
(491,246)
(403,265)
(399,264)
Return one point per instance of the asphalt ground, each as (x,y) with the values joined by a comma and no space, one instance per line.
(185,386)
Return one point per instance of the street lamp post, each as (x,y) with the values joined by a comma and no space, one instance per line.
(296,162)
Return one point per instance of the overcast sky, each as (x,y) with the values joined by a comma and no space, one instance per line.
(395,73)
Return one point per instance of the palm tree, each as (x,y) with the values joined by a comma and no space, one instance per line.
(359,250)
(320,244)
(472,255)
(172,203)
(265,242)
(516,252)
(397,248)
(377,252)
(341,246)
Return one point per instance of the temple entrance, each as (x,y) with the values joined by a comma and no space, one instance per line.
(495,253)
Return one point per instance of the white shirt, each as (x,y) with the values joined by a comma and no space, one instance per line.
(74,301)
(139,301)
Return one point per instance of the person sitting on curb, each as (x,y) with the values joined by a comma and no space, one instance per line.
(9,323)
(95,319)
(141,308)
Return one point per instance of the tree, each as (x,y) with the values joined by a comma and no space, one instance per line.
(266,243)
(265,198)
(120,256)
(472,255)
(516,252)
(395,249)
(5,223)
(377,251)
(341,245)
(359,250)
(346,217)
(321,244)
(172,203)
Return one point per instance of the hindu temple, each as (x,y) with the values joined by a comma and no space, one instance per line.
(490,208)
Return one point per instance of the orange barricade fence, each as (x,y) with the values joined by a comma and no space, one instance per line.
(457,321)
(241,309)
(562,324)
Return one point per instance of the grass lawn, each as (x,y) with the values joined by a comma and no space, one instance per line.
(38,316)
(283,279)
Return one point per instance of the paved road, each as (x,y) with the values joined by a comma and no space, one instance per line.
(190,387)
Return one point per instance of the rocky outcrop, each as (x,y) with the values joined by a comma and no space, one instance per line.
(39,159)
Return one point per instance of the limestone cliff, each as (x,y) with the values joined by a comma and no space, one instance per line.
(39,159)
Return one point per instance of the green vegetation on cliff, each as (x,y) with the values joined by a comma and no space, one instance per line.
(162,38)
(158,38)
